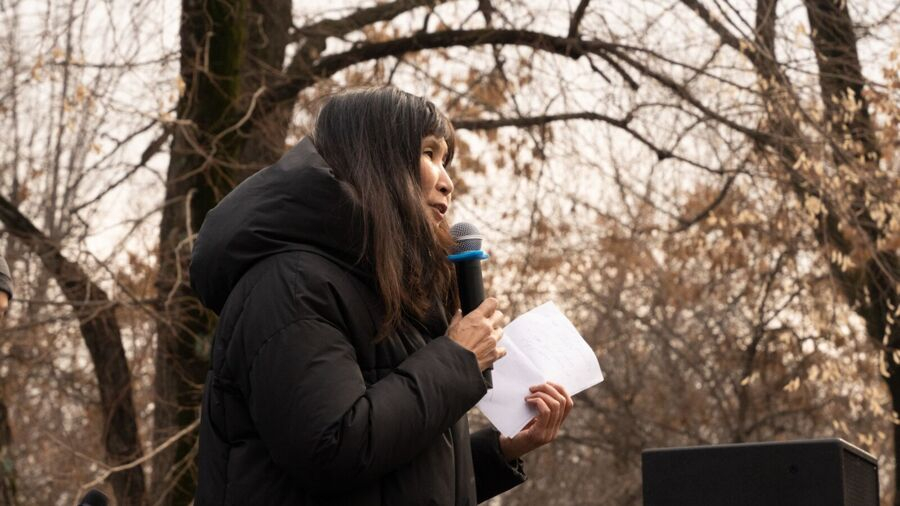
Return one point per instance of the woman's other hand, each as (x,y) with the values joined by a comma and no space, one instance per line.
(479,332)
(553,405)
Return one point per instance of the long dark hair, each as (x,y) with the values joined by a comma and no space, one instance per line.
(372,139)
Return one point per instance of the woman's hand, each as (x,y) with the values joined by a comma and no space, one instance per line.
(479,332)
(553,405)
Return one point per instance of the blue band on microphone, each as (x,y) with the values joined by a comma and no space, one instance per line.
(475,254)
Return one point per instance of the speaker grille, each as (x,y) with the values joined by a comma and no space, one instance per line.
(860,481)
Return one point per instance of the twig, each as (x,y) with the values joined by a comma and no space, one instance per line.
(128,465)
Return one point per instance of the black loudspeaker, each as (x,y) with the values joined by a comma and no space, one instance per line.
(825,472)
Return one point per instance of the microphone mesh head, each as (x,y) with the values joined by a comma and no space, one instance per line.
(466,236)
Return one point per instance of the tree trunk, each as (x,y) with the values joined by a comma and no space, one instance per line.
(243,42)
(202,155)
(268,25)
(872,289)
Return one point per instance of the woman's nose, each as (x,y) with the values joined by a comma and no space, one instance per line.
(445,184)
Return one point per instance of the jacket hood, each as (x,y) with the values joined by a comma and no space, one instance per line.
(296,204)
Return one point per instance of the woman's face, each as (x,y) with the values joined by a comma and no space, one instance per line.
(436,185)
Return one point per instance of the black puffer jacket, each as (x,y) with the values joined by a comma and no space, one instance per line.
(300,407)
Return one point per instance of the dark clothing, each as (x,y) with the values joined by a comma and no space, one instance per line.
(5,278)
(300,405)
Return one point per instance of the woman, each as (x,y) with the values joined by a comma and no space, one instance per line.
(335,378)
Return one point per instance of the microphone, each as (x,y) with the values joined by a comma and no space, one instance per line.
(94,498)
(467,256)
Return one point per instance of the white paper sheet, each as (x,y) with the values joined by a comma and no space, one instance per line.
(541,345)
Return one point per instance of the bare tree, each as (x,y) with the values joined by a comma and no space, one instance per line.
(665,144)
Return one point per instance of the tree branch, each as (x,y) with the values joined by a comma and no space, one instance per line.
(149,152)
(102,335)
(315,34)
(724,33)
(530,121)
(763,138)
(685,224)
(564,46)
(137,462)
(326,66)
(362,18)
(577,17)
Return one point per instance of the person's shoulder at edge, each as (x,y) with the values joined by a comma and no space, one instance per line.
(5,278)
